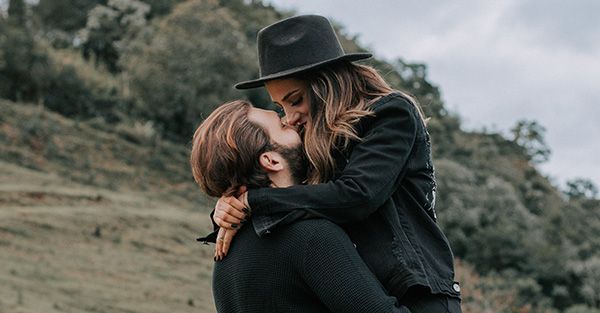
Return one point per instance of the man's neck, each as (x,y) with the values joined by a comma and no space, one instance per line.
(281,180)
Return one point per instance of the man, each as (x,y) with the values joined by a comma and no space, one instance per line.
(308,266)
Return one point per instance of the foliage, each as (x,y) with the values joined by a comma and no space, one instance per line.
(171,75)
(23,70)
(530,136)
(17,11)
(109,28)
(582,309)
(165,65)
(581,188)
(64,15)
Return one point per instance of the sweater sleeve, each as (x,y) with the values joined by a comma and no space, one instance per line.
(374,168)
(335,272)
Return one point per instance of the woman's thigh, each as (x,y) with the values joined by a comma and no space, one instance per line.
(421,301)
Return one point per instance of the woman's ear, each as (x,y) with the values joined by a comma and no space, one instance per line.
(271,161)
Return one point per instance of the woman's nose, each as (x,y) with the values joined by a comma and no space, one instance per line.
(293,119)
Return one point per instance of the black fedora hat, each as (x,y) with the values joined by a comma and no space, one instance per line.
(295,45)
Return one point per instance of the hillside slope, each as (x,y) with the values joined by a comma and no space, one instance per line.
(92,236)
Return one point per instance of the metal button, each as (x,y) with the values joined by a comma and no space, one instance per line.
(456,287)
(354,245)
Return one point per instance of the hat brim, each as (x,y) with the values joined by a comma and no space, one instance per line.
(261,81)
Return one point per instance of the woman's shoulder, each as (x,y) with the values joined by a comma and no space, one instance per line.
(393,100)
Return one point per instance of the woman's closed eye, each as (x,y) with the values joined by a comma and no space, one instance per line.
(297,101)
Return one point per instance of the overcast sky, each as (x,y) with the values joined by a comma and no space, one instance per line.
(496,62)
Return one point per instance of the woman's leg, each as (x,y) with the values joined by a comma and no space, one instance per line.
(420,300)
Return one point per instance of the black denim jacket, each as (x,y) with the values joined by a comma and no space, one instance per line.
(383,196)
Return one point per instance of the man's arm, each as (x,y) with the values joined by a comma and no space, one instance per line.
(335,272)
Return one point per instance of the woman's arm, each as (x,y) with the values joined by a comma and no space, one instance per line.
(372,174)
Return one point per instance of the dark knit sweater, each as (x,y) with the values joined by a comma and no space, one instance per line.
(308,266)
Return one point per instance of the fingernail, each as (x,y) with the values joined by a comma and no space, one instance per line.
(246,211)
(234,226)
(215,258)
(243,221)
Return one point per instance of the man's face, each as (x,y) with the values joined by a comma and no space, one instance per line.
(284,140)
(279,133)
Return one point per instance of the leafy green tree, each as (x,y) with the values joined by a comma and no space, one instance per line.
(17,11)
(530,136)
(190,65)
(581,308)
(65,15)
(24,66)
(581,188)
(109,28)
(589,271)
(161,7)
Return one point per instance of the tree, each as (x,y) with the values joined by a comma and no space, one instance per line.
(108,29)
(24,63)
(530,136)
(190,65)
(581,188)
(64,15)
(589,271)
(16,11)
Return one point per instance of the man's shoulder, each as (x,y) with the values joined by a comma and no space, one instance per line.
(313,229)
(312,223)
(307,226)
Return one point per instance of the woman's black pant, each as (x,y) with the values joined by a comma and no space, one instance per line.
(420,300)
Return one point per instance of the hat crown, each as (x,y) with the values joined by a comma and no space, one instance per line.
(295,42)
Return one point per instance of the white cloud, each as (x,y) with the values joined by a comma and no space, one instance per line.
(497,62)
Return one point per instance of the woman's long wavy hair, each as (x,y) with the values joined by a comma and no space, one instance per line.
(340,95)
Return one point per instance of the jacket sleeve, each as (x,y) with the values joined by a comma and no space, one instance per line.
(347,286)
(370,177)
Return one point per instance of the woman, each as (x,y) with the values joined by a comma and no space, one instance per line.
(370,158)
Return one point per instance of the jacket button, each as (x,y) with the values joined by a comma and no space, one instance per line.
(354,245)
(456,287)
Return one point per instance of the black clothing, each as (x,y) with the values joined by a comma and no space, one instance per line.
(420,300)
(384,195)
(308,266)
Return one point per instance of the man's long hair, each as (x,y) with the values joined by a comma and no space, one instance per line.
(226,149)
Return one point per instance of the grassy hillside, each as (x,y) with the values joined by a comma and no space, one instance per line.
(99,210)
(113,233)
(95,218)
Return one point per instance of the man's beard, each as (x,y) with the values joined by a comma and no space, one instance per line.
(296,160)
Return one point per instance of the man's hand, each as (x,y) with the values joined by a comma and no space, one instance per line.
(231,212)
(223,242)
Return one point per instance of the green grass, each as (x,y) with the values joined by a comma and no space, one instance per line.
(59,182)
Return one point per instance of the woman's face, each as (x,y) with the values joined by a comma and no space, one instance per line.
(291,95)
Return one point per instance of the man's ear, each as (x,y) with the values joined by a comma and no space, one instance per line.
(271,161)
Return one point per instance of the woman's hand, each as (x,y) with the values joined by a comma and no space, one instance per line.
(231,212)
(223,242)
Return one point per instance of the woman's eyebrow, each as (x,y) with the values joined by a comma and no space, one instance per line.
(287,96)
